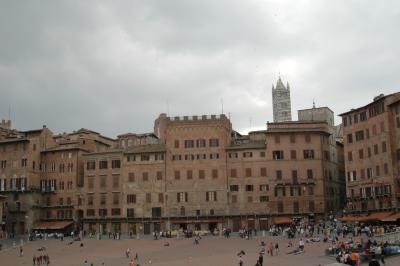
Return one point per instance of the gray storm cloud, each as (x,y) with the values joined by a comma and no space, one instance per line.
(113,66)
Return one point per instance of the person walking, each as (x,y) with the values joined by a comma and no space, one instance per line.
(260,259)
(276,248)
(271,249)
(34,260)
(240,260)
(21,251)
(301,244)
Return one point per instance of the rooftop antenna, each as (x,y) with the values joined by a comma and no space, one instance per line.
(313,103)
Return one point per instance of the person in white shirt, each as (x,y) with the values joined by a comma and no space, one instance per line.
(301,244)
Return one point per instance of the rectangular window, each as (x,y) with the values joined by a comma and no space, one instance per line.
(385,169)
(131,177)
(176,144)
(369,173)
(201,156)
(214,155)
(159,175)
(115,211)
(200,143)
(350,156)
(145,176)
(264,199)
(90,212)
(294,177)
(145,157)
(310,174)
(308,154)
(130,212)
(349,138)
(131,158)
(211,196)
(383,146)
(249,188)
(264,188)
(176,157)
(362,174)
(213,142)
(131,198)
(247,154)
(160,197)
(90,199)
(103,198)
(115,164)
(248,172)
(279,175)
(293,155)
(182,197)
(159,156)
(277,155)
(189,157)
(148,197)
(189,174)
(359,135)
(115,198)
(233,173)
(91,165)
(263,171)
(376,150)
(177,175)
(363,116)
(214,173)
(367,133)
(234,188)
(189,143)
(201,174)
(310,190)
(103,164)
(377,170)
(397,121)
(361,154)
(369,152)
(262,154)
(233,155)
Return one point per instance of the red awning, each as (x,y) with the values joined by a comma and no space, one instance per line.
(196,221)
(392,218)
(53,225)
(350,218)
(374,217)
(282,220)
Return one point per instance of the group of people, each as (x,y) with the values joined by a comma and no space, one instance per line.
(42,259)
(247,233)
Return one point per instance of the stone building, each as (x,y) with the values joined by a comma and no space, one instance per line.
(20,157)
(372,152)
(282,109)
(196,173)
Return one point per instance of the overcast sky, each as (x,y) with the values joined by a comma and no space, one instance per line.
(113,66)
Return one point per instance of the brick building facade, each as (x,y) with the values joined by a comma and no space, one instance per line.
(193,172)
(372,153)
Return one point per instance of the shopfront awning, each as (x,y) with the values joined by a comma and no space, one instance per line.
(375,217)
(392,218)
(196,221)
(53,225)
(282,220)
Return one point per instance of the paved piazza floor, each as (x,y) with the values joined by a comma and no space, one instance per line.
(211,251)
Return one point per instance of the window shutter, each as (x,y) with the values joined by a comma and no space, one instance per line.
(207,197)
(186,196)
(178,199)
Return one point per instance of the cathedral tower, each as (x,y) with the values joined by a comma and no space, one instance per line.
(281,102)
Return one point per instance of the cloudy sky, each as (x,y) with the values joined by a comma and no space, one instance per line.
(113,66)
